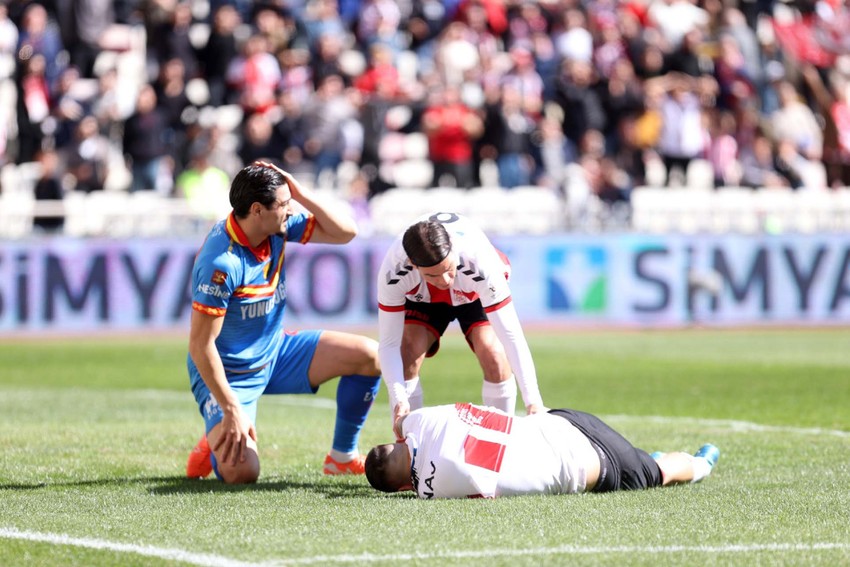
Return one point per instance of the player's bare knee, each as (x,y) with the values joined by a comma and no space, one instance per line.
(243,473)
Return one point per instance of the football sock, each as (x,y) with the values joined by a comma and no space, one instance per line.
(702,468)
(354,396)
(501,395)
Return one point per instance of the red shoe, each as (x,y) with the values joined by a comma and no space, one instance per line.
(199,464)
(355,466)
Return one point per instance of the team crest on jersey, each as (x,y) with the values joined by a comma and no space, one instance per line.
(218,277)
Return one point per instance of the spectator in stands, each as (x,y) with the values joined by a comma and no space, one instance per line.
(291,131)
(426,21)
(682,134)
(68,106)
(723,148)
(8,38)
(33,106)
(48,188)
(204,186)
(451,127)
(758,168)
(173,41)
(258,140)
(218,53)
(326,118)
(172,101)
(795,122)
(144,144)
(327,60)
(574,40)
(507,137)
(579,99)
(88,156)
(85,24)
(256,75)
(39,35)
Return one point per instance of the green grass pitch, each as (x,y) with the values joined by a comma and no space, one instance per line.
(94,435)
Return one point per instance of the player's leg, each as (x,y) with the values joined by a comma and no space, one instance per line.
(203,460)
(245,471)
(678,467)
(499,387)
(354,359)
(424,324)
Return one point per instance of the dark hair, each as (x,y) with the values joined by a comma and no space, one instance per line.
(377,465)
(254,184)
(426,243)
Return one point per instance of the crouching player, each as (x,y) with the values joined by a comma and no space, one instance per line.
(238,350)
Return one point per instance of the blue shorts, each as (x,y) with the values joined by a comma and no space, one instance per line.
(284,374)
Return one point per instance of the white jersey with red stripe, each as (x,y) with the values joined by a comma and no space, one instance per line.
(482,271)
(470,451)
(482,274)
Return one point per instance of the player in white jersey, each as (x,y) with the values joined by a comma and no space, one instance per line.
(469,451)
(444,268)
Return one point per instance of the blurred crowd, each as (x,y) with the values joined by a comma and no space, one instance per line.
(582,98)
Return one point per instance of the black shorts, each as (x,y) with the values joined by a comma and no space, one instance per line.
(622,465)
(437,316)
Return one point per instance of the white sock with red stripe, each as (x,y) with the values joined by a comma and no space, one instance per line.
(501,395)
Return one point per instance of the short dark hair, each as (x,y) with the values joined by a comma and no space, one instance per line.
(426,243)
(254,184)
(377,469)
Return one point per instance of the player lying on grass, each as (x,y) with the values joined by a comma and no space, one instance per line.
(469,451)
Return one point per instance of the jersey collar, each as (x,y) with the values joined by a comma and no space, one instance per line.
(261,252)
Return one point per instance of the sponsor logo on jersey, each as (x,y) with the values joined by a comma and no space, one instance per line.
(211,407)
(213,290)
(266,306)
(218,277)
(577,279)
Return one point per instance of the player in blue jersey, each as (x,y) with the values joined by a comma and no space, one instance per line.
(238,349)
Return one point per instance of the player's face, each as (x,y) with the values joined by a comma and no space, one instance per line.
(441,276)
(276,214)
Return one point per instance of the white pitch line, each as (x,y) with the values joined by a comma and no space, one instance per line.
(211,560)
(565,550)
(146,550)
(734,425)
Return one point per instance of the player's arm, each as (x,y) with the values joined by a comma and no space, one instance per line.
(235,425)
(505,321)
(390,331)
(333,226)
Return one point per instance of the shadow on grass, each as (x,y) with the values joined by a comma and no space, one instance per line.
(166,485)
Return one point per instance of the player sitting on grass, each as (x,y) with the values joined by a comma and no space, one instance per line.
(468,451)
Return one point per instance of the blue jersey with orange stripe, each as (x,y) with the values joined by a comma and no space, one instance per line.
(247,286)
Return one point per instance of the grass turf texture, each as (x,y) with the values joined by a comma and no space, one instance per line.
(94,436)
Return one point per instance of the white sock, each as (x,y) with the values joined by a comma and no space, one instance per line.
(702,468)
(341,457)
(501,395)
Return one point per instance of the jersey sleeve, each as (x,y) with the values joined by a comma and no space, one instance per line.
(507,327)
(395,278)
(300,227)
(213,282)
